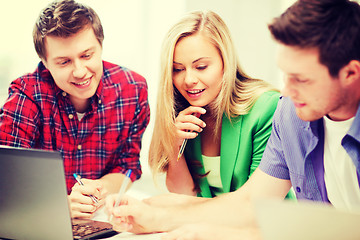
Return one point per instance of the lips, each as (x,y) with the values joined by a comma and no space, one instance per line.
(195,92)
(83,83)
(299,105)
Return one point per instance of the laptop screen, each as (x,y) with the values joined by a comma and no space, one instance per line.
(33,197)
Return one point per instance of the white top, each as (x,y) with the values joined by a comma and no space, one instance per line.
(212,165)
(80,115)
(340,172)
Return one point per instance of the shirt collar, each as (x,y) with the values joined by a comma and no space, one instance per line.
(355,126)
(95,100)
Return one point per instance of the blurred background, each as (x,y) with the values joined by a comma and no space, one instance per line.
(134,31)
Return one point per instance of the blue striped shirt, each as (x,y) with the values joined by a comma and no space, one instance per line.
(295,151)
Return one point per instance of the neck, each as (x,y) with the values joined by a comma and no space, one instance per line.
(80,105)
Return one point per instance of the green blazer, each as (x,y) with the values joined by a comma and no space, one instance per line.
(242,145)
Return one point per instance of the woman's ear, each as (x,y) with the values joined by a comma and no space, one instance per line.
(350,73)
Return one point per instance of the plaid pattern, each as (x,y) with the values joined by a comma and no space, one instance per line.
(37,114)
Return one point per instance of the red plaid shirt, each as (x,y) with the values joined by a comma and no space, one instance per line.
(37,114)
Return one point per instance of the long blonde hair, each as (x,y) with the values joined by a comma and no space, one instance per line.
(236,97)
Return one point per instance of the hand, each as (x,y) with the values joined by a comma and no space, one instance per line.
(188,123)
(206,231)
(132,215)
(81,204)
(172,199)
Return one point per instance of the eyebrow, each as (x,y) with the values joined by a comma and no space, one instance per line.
(195,61)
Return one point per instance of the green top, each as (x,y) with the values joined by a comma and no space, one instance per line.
(242,145)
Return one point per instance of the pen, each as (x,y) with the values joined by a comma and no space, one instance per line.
(183,145)
(122,190)
(123,187)
(182,149)
(78,179)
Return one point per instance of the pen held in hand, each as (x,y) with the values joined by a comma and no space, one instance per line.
(183,145)
(122,190)
(182,148)
(78,179)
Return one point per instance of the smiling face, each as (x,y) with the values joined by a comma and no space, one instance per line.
(310,86)
(197,70)
(75,64)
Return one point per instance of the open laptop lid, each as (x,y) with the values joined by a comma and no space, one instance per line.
(284,220)
(33,196)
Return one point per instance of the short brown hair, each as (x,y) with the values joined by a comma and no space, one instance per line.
(331,26)
(63,19)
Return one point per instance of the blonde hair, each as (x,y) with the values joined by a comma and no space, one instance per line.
(236,97)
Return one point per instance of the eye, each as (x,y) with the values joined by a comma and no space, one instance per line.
(87,56)
(64,62)
(176,70)
(202,67)
(299,80)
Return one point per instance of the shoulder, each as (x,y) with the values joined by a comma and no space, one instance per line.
(116,74)
(286,110)
(34,85)
(266,103)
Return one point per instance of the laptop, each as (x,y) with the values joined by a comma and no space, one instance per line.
(280,220)
(33,198)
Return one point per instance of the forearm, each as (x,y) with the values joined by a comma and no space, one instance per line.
(178,177)
(112,182)
(233,210)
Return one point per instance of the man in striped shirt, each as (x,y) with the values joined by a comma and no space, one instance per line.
(93,112)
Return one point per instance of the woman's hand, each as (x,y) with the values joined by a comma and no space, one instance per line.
(188,123)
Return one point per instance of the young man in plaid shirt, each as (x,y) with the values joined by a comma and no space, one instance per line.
(93,112)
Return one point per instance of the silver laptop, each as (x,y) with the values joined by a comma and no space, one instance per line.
(284,220)
(33,197)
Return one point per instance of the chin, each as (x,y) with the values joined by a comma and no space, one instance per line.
(309,117)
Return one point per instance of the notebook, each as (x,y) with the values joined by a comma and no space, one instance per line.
(280,220)
(33,197)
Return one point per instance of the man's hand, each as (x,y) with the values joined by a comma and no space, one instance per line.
(81,204)
(133,215)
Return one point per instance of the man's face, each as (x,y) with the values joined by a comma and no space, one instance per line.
(76,65)
(309,85)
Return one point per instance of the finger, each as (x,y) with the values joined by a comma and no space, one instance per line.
(192,110)
(181,120)
(126,211)
(92,184)
(87,191)
(109,203)
(188,131)
(81,215)
(86,208)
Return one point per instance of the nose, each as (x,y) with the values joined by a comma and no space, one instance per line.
(79,69)
(190,79)
(288,90)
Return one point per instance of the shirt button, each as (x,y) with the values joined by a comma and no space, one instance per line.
(79,147)
(71,116)
(298,189)
(64,94)
(99,101)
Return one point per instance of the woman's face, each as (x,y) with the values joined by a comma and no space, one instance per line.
(197,70)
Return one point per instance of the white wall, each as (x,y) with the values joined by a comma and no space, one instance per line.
(134,30)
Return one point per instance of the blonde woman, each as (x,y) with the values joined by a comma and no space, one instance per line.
(204,96)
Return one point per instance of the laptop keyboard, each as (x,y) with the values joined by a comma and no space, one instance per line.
(89,230)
